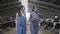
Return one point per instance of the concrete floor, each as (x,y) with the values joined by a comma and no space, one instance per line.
(41,31)
(10,31)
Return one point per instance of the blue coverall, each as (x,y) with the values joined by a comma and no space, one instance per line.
(21,26)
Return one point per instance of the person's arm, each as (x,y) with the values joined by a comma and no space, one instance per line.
(16,20)
(31,19)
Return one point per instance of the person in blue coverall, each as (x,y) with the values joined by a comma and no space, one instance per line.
(21,25)
(34,18)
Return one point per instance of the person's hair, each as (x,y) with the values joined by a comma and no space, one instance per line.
(23,10)
(19,12)
(33,8)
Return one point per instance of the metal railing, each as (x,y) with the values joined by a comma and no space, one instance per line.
(45,7)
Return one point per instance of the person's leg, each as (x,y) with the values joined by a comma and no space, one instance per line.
(24,30)
(19,30)
(36,29)
(32,29)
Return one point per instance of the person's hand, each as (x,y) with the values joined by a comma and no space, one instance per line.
(32,19)
(37,19)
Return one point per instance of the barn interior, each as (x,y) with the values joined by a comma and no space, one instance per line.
(8,9)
